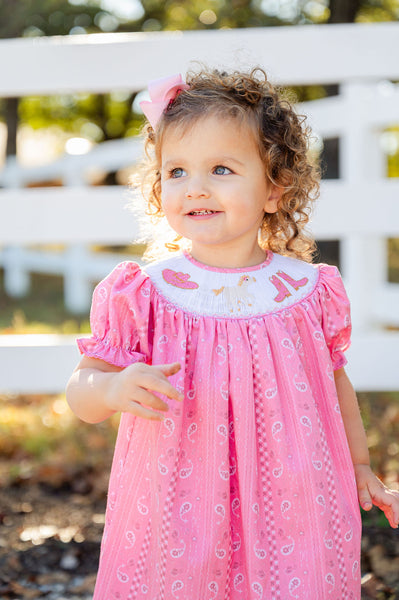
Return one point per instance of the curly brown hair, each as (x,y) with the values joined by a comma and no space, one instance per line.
(282,137)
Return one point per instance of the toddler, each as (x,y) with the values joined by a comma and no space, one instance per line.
(241,455)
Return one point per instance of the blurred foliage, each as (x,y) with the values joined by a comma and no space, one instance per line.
(41,440)
(48,17)
(96,117)
(391,148)
(380,412)
(393,254)
(375,11)
(63,17)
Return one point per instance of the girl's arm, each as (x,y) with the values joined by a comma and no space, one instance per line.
(97,389)
(370,489)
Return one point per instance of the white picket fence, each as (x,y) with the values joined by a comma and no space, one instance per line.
(361,209)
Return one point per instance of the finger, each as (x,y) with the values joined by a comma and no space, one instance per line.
(159,383)
(144,397)
(389,515)
(390,506)
(395,506)
(169,369)
(365,499)
(392,521)
(145,413)
(385,500)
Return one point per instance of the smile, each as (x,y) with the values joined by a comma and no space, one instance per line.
(202,212)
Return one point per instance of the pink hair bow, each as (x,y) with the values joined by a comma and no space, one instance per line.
(162,92)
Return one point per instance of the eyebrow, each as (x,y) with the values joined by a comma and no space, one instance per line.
(170,163)
(229,158)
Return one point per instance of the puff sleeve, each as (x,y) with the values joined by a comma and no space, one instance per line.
(113,318)
(335,316)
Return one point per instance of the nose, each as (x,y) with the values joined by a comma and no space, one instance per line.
(196,188)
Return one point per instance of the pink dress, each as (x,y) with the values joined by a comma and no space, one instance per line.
(246,490)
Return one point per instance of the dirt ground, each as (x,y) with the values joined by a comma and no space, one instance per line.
(49,543)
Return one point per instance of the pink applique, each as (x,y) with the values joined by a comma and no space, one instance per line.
(295,283)
(179,280)
(283,291)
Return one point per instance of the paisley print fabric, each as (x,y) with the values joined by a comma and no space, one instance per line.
(246,490)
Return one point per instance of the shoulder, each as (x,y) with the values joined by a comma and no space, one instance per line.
(125,275)
(125,270)
(331,285)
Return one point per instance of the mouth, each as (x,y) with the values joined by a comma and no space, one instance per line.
(203,211)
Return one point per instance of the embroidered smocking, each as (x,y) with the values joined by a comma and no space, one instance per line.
(240,293)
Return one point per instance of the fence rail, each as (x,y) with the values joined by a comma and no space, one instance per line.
(291,55)
(42,364)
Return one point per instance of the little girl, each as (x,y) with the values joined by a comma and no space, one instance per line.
(241,454)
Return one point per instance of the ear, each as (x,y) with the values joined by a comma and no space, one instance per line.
(273,198)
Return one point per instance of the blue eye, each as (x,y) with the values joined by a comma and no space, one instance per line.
(176,173)
(220,170)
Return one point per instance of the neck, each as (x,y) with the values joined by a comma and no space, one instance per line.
(224,258)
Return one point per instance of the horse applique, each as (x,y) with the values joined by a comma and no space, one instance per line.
(238,296)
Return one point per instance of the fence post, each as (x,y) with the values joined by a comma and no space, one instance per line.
(363,259)
(77,287)
(16,276)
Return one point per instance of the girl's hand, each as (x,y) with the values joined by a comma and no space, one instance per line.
(131,390)
(372,491)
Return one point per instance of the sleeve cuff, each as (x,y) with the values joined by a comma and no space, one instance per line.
(120,357)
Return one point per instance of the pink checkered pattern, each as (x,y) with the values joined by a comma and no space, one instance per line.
(338,537)
(140,564)
(264,467)
(166,519)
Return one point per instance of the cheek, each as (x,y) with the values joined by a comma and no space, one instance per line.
(165,196)
(164,193)
(170,192)
(168,203)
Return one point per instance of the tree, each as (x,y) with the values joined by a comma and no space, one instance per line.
(42,17)
(344,11)
(48,17)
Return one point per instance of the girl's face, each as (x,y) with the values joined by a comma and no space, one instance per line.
(215,192)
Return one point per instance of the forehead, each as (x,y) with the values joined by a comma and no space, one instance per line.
(211,133)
